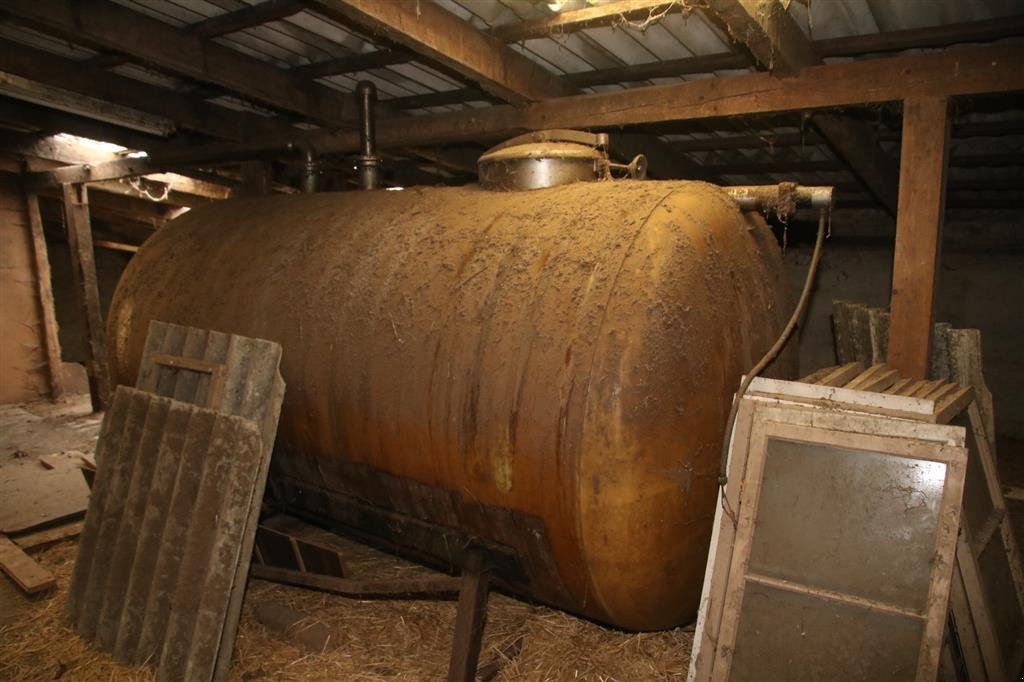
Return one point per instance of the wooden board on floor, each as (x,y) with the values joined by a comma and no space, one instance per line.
(49,536)
(32,495)
(23,569)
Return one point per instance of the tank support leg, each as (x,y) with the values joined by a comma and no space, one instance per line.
(469,619)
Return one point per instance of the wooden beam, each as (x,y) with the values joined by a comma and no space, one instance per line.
(777,166)
(768,141)
(985,30)
(222,24)
(671,68)
(965,71)
(435,33)
(856,143)
(430,30)
(109,170)
(247,17)
(351,63)
(767,30)
(116,246)
(440,99)
(255,179)
(106,25)
(777,43)
(188,112)
(924,158)
(44,289)
(618,11)
(83,270)
(26,90)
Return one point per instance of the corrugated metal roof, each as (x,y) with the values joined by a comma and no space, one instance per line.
(305,38)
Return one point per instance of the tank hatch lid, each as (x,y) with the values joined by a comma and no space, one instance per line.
(543,159)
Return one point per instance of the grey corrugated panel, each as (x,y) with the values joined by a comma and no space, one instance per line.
(252,388)
(162,546)
(253,385)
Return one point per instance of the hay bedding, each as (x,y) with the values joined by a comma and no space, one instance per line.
(375,639)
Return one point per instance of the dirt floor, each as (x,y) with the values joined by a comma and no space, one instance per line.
(335,638)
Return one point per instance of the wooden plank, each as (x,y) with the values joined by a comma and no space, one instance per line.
(670,68)
(881,381)
(49,536)
(247,17)
(867,376)
(440,99)
(842,375)
(470,619)
(44,289)
(926,388)
(953,404)
(964,358)
(916,38)
(941,392)
(843,398)
(433,585)
(959,72)
(723,536)
(33,496)
(606,14)
(68,175)
(897,388)
(21,88)
(768,31)
(83,270)
(352,63)
(923,162)
(816,377)
(22,569)
(912,388)
(980,613)
(428,29)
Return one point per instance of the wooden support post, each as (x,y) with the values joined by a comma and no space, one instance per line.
(83,271)
(256,178)
(44,288)
(469,620)
(924,158)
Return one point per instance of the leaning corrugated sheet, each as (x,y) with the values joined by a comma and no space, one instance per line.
(162,540)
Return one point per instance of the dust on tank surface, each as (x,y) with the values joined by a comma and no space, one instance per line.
(543,374)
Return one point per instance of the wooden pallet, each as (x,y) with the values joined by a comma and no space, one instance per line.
(936,401)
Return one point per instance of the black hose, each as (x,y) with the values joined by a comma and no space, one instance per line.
(776,348)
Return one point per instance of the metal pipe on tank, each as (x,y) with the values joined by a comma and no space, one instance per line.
(783,198)
(368,162)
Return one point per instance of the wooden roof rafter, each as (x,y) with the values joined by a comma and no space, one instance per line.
(429,30)
(778,44)
(954,73)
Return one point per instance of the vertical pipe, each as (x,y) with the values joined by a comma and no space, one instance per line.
(368,161)
(310,171)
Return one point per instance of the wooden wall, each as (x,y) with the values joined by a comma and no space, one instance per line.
(23,367)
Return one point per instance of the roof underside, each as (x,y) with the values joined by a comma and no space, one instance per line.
(736,151)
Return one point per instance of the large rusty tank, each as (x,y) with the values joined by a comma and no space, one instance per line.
(542,375)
